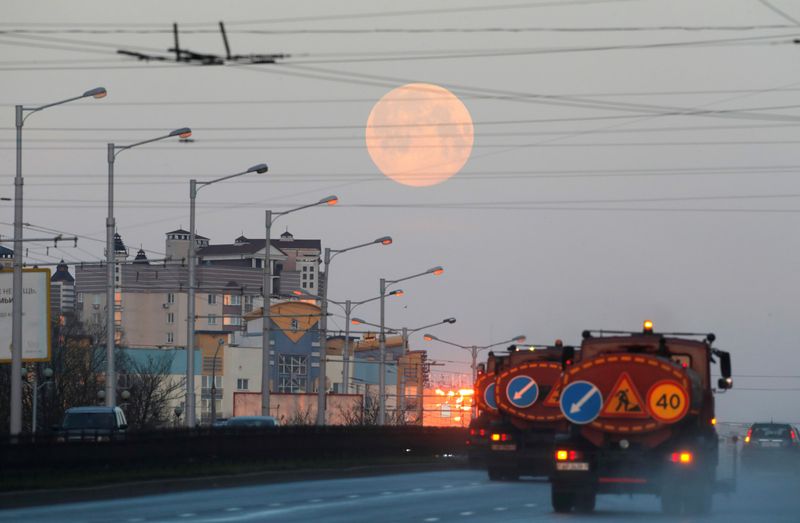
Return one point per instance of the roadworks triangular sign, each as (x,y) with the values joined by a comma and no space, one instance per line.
(552,398)
(624,400)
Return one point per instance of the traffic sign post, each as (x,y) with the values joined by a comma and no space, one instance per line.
(581,402)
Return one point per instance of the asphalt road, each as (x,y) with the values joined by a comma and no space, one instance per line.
(452,496)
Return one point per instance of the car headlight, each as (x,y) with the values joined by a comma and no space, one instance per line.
(103,438)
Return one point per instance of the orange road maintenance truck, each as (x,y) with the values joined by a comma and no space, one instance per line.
(640,413)
(522,393)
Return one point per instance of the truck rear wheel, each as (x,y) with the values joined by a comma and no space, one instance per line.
(585,501)
(562,500)
(699,500)
(671,499)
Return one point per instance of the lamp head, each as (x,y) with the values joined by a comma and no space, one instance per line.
(398,292)
(436,271)
(385,240)
(519,339)
(183,132)
(449,320)
(356,321)
(297,293)
(125,395)
(330,200)
(48,372)
(97,92)
(260,168)
(429,337)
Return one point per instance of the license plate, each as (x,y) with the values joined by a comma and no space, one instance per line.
(572,466)
(770,443)
(504,446)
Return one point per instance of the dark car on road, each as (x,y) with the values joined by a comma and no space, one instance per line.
(771,444)
(92,424)
(251,422)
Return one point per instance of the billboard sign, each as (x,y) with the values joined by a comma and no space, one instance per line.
(35,314)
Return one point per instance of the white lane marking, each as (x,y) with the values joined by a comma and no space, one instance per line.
(387,493)
(315,500)
(416,490)
(500,509)
(275,504)
(467,513)
(431,519)
(354,496)
(187,515)
(530,505)
(232,509)
(448,486)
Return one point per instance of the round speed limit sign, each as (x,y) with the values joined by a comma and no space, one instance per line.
(667,401)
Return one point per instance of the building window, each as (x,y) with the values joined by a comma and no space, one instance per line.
(212,319)
(311,269)
(170,298)
(242,384)
(305,269)
(311,285)
(248,303)
(303,285)
(170,317)
(170,337)
(231,320)
(292,373)
(232,299)
(206,383)
(212,299)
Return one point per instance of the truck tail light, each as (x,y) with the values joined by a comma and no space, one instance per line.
(471,432)
(683,457)
(500,436)
(568,455)
(747,437)
(482,433)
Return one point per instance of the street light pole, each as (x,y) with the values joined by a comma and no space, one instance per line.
(405,332)
(194,188)
(474,349)
(112,151)
(348,306)
(384,283)
(329,255)
(266,291)
(15,411)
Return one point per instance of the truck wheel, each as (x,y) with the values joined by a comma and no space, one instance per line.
(699,500)
(585,501)
(562,500)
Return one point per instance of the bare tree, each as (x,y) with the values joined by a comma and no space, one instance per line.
(152,389)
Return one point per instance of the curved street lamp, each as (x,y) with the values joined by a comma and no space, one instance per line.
(384,285)
(15,411)
(194,188)
(111,304)
(266,294)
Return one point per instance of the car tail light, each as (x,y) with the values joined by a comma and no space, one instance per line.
(499,436)
(793,436)
(683,457)
(747,437)
(568,455)
(471,432)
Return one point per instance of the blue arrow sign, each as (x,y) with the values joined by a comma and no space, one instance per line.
(488,396)
(581,402)
(522,391)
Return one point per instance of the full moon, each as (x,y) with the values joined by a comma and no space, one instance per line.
(419,134)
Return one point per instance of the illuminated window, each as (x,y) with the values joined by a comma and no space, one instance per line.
(232,299)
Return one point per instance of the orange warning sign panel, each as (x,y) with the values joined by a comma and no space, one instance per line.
(624,400)
(552,398)
(668,401)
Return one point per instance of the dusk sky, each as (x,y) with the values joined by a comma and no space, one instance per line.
(632,159)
